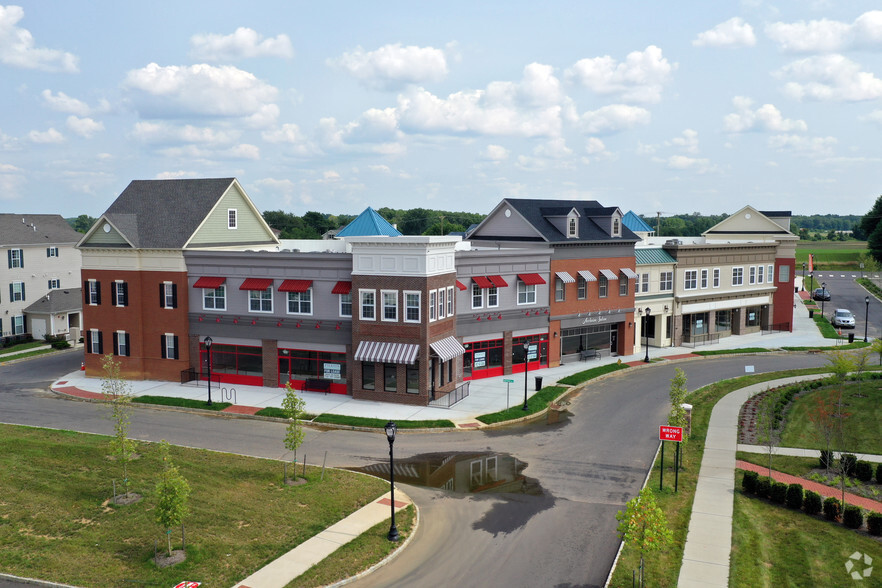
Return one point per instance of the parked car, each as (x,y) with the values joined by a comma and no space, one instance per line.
(821,294)
(843,318)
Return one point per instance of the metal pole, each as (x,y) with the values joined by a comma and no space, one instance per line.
(661,470)
(393,530)
(677,468)
(646,335)
(866,317)
(526,370)
(208,350)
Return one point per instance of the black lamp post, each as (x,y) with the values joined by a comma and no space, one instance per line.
(812,280)
(526,369)
(391,428)
(803,276)
(823,296)
(646,333)
(866,317)
(208,351)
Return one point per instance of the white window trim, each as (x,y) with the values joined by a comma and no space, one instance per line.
(662,281)
(261,299)
(167,295)
(419,306)
(560,290)
(53,252)
(234,218)
(741,277)
(117,302)
(770,274)
(383,306)
(311,303)
(687,280)
(224,298)
(20,261)
(93,289)
(529,291)
(21,291)
(442,303)
(57,284)
(121,343)
(450,297)
(703,279)
(340,305)
(169,345)
(433,301)
(361,304)
(93,335)
(716,277)
(492,299)
(760,274)
(479,297)
(751,275)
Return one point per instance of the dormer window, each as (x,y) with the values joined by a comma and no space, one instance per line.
(572,230)
(616,227)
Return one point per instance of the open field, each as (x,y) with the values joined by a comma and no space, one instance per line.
(831,255)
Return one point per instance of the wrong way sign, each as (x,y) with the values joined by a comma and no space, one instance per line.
(668,433)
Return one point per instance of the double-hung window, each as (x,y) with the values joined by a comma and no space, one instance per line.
(752,275)
(94,342)
(169,346)
(390,304)
(119,291)
(477,296)
(93,292)
(623,285)
(54,284)
(17,292)
(232,218)
(559,290)
(52,252)
(346,304)
(760,275)
(300,302)
(690,281)
(442,303)
(602,286)
(492,297)
(666,281)
(214,298)
(18,324)
(716,277)
(703,279)
(368,305)
(644,283)
(581,288)
(449,300)
(260,300)
(168,295)
(121,344)
(770,274)
(737,276)
(526,293)
(433,300)
(15,257)
(412,305)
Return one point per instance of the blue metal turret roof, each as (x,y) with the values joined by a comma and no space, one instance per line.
(369,223)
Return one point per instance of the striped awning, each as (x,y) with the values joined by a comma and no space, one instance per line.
(207,282)
(609,274)
(629,272)
(295,285)
(447,348)
(256,284)
(565,277)
(460,285)
(342,288)
(383,352)
(498,281)
(587,276)
(531,279)
(482,281)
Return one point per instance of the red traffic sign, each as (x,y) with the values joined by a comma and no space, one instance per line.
(666,433)
(187,585)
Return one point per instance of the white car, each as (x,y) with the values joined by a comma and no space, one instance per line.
(843,318)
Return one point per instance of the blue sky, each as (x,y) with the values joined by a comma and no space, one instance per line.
(334,106)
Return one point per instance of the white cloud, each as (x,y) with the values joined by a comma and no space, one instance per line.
(162,132)
(495,153)
(393,66)
(84,127)
(830,78)
(61,102)
(17,46)
(640,78)
(732,33)
(765,118)
(803,145)
(176,175)
(873,117)
(553,149)
(242,44)
(828,35)
(12,182)
(224,91)
(380,169)
(681,162)
(193,152)
(373,132)
(50,136)
(594,146)
(613,118)
(687,141)
(287,133)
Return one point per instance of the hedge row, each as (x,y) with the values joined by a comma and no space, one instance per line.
(796,498)
(862,470)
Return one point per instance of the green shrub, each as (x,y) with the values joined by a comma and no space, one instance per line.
(863,471)
(831,509)
(826,459)
(763,487)
(853,517)
(879,474)
(779,492)
(874,523)
(794,496)
(848,461)
(748,482)
(62,344)
(812,503)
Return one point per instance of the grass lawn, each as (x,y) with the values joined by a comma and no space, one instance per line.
(730,351)
(830,255)
(21,347)
(537,402)
(183,402)
(863,402)
(12,356)
(57,523)
(775,546)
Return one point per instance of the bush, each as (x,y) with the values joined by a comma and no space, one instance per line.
(853,517)
(794,496)
(748,482)
(812,503)
(826,459)
(874,523)
(831,509)
(763,487)
(62,344)
(879,474)
(863,471)
(848,461)
(779,492)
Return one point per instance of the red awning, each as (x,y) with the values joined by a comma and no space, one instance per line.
(460,285)
(498,281)
(256,284)
(207,282)
(531,279)
(482,282)
(295,285)
(342,288)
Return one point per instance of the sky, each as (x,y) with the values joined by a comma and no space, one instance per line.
(655,107)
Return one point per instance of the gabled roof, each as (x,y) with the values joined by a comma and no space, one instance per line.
(163,214)
(635,223)
(37,229)
(58,301)
(536,214)
(749,221)
(369,224)
(652,256)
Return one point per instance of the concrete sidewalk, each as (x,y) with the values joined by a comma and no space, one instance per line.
(278,573)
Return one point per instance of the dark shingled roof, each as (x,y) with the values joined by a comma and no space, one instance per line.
(535,211)
(51,229)
(164,214)
(58,301)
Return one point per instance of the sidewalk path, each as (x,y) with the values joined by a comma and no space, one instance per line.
(280,572)
(822,489)
(797,452)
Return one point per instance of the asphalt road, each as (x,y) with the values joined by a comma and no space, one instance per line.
(587,468)
(846,293)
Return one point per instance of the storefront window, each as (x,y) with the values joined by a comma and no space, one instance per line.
(581,338)
(390,377)
(753,316)
(413,379)
(240,360)
(300,364)
(368,375)
(723,320)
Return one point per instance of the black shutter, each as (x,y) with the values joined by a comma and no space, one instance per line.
(9,257)
(98,292)
(21,257)
(174,295)
(113,293)
(47,251)
(23,292)
(161,295)
(49,284)
(85,293)
(115,343)
(88,339)
(125,293)
(100,342)
(162,346)
(11,296)
(128,345)
(175,344)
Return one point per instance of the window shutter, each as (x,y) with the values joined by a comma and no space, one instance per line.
(85,293)
(115,343)
(174,295)
(128,345)
(125,293)
(23,298)
(9,257)
(47,251)
(88,339)
(100,342)
(49,285)
(98,291)
(113,286)
(161,295)
(162,346)
(11,294)
(21,257)
(175,345)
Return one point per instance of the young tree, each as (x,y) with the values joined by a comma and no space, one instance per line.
(767,423)
(117,394)
(678,416)
(840,365)
(172,492)
(824,418)
(643,524)
(293,406)
(876,347)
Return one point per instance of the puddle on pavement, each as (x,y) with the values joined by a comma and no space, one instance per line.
(464,473)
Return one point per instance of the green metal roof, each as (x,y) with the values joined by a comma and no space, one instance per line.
(651,256)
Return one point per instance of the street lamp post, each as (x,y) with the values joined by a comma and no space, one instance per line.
(208,351)
(823,296)
(812,279)
(866,317)
(646,333)
(526,369)
(803,276)
(391,428)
